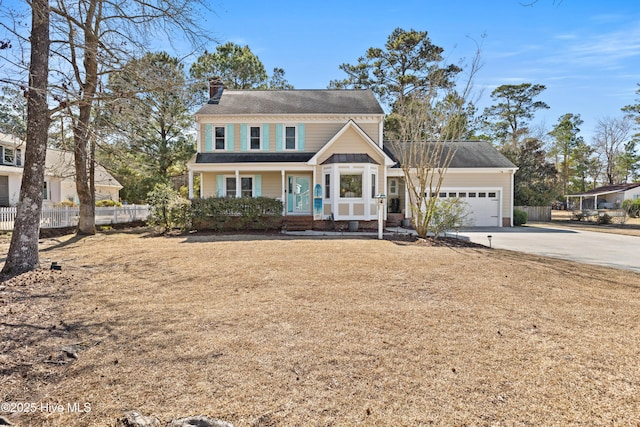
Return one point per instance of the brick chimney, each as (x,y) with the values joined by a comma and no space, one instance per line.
(215,89)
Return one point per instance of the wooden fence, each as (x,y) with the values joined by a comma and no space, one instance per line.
(536,213)
(68,217)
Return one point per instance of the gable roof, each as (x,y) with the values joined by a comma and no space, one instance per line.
(294,101)
(388,161)
(469,154)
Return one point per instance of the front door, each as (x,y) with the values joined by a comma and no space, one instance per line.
(298,194)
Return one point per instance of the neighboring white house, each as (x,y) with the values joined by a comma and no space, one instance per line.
(322,153)
(59,181)
(606,197)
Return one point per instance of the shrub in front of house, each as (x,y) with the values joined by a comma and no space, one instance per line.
(235,214)
(108,203)
(519,217)
(632,207)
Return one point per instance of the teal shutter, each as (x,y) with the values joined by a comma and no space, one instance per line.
(278,137)
(243,137)
(257,186)
(230,137)
(219,185)
(301,136)
(208,137)
(265,138)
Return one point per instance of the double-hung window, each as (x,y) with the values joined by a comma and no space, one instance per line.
(246,186)
(219,136)
(290,138)
(254,138)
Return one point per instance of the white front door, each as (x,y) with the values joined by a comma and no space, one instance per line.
(298,194)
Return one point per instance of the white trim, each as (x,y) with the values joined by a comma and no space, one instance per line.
(284,136)
(287,118)
(259,127)
(238,178)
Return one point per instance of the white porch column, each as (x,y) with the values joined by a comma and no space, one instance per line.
(190,184)
(238,185)
(201,186)
(595,202)
(284,200)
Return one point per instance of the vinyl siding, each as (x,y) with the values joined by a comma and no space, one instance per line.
(352,142)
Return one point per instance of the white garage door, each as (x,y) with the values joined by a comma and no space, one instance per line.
(484,206)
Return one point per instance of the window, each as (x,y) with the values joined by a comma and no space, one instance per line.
(231,186)
(219,137)
(327,186)
(482,194)
(290,137)
(254,138)
(461,194)
(246,184)
(492,194)
(472,194)
(350,186)
(442,194)
(452,194)
(393,186)
(374,185)
(45,191)
(18,157)
(8,156)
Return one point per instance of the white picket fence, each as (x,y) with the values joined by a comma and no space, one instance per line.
(68,217)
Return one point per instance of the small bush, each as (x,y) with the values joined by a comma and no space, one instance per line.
(107,203)
(449,214)
(604,219)
(519,217)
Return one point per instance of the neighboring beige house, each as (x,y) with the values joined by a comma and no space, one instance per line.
(321,153)
(59,183)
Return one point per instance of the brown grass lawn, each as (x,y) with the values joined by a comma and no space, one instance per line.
(266,331)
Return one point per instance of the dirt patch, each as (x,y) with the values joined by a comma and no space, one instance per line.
(285,331)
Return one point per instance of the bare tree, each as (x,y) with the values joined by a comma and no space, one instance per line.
(23,250)
(430,126)
(92,39)
(611,134)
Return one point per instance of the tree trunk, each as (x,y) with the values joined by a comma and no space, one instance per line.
(23,251)
(82,130)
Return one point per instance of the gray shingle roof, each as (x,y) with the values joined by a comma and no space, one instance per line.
(350,158)
(470,154)
(295,101)
(253,157)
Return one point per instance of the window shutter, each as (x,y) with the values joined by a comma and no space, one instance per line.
(230,137)
(301,136)
(243,137)
(208,137)
(257,186)
(219,185)
(278,137)
(265,137)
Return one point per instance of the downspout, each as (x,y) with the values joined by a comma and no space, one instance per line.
(513,173)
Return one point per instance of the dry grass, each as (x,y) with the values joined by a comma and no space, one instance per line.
(264,331)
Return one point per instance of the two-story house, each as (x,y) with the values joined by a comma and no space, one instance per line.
(59,182)
(321,152)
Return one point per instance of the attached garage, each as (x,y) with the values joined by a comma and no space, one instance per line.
(484,205)
(478,175)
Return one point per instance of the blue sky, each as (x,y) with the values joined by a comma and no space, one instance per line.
(586,52)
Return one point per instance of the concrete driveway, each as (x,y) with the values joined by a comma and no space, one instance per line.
(611,250)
